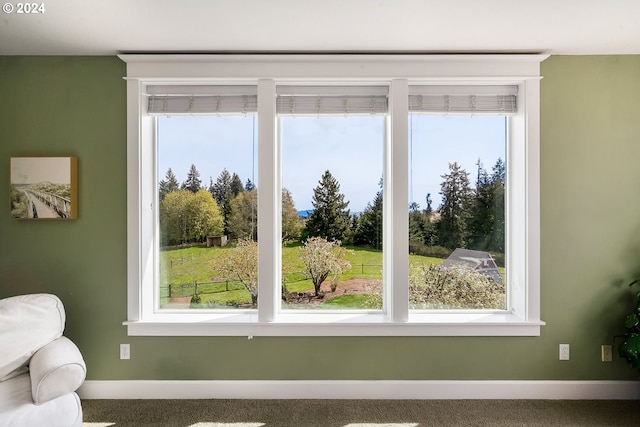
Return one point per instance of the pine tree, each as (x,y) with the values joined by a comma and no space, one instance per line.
(481,217)
(429,209)
(330,217)
(167,185)
(369,230)
(454,210)
(221,191)
(236,185)
(486,224)
(499,171)
(416,224)
(498,183)
(249,185)
(193,182)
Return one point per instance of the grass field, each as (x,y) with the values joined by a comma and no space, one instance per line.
(185,267)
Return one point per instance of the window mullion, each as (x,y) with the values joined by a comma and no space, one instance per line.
(269,235)
(396,215)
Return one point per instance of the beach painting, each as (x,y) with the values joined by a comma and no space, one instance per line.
(44,187)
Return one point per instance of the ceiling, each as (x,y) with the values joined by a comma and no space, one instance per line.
(108,27)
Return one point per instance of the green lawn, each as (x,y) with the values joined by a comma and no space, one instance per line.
(183,268)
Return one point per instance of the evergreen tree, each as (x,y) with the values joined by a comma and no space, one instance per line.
(249,185)
(429,209)
(486,224)
(498,184)
(454,210)
(193,182)
(354,222)
(369,230)
(499,171)
(330,217)
(222,193)
(421,226)
(168,184)
(429,228)
(236,185)
(481,217)
(416,224)
(221,189)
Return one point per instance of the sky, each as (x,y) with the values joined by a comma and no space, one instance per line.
(32,170)
(351,148)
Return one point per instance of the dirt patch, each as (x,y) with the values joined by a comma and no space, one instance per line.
(346,287)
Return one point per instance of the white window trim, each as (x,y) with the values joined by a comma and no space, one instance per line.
(398,71)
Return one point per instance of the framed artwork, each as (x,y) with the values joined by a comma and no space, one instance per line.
(44,187)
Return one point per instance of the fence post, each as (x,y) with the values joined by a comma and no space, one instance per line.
(169,290)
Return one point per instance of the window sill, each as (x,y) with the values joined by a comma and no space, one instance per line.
(330,324)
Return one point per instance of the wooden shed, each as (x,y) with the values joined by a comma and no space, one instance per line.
(217,240)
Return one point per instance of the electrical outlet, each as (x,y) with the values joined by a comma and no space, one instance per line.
(607,353)
(125,351)
(564,351)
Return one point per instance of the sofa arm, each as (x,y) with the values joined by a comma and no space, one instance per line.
(56,369)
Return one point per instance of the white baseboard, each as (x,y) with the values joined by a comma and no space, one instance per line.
(370,389)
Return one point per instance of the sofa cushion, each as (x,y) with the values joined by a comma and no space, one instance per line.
(17,408)
(56,369)
(27,323)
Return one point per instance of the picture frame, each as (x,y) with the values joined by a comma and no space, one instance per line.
(44,188)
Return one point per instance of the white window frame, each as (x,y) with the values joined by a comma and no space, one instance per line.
(398,72)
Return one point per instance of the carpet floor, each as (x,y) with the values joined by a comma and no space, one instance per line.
(360,413)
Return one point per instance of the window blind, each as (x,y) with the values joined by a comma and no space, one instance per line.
(463,99)
(201,99)
(331,100)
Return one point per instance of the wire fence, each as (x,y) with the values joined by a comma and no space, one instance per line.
(195,287)
(225,285)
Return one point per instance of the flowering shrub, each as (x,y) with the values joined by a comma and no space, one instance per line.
(453,287)
(322,258)
(241,264)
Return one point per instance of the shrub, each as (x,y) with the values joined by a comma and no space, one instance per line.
(322,258)
(196,301)
(454,287)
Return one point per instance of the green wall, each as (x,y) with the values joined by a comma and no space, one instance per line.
(590,144)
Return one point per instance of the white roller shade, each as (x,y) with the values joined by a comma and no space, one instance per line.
(331,100)
(463,99)
(201,99)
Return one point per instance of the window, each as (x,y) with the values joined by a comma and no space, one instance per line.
(457,240)
(353,133)
(332,144)
(207,196)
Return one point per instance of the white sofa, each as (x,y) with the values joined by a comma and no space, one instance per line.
(40,369)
